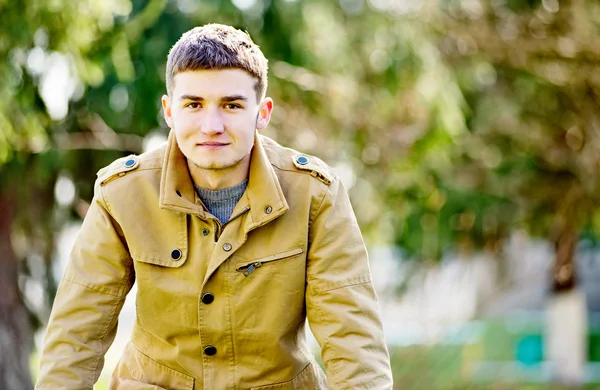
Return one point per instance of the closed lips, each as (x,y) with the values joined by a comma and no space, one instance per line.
(213,145)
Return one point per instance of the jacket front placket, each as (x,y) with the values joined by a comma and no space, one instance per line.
(262,203)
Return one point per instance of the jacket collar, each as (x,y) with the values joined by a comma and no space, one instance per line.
(263,198)
(176,187)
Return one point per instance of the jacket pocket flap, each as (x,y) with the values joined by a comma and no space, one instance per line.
(175,259)
(266,259)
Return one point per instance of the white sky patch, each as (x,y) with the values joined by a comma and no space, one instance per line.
(400,7)
(379,5)
(188,6)
(119,98)
(41,38)
(36,60)
(352,7)
(551,5)
(35,294)
(154,140)
(64,244)
(371,154)
(306,139)
(244,5)
(64,191)
(346,173)
(380,60)
(57,85)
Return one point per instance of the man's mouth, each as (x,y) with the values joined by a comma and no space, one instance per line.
(212,145)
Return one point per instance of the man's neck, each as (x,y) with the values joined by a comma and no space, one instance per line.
(218,179)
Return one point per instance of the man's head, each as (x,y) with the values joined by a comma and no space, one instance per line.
(216,80)
(214,47)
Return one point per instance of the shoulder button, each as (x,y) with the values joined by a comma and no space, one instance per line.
(302,160)
(117,169)
(130,163)
(314,167)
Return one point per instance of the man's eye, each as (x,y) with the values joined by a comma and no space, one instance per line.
(194,105)
(232,106)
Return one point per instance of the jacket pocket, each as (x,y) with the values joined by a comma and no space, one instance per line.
(247,267)
(138,371)
(165,245)
(310,378)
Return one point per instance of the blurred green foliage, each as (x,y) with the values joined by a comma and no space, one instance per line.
(453,122)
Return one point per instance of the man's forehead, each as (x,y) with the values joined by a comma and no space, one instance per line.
(214,84)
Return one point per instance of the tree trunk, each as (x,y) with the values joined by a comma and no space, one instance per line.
(564,270)
(15,331)
(566,321)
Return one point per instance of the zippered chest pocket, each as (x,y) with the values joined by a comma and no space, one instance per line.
(248,267)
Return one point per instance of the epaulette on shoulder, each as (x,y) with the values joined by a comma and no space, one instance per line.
(118,169)
(314,166)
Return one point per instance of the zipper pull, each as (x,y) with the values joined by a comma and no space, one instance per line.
(251,268)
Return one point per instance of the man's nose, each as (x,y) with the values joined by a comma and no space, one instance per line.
(212,122)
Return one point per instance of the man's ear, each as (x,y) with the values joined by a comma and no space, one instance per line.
(264,113)
(166,105)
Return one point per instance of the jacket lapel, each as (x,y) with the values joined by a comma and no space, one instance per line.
(265,196)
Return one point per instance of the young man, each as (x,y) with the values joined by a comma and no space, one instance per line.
(233,240)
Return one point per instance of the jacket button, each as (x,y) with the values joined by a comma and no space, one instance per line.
(209,350)
(227,247)
(268,209)
(176,254)
(205,232)
(129,163)
(302,160)
(208,298)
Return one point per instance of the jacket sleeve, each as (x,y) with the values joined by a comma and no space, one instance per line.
(83,320)
(341,303)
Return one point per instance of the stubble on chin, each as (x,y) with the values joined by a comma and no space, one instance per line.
(220,165)
(214,166)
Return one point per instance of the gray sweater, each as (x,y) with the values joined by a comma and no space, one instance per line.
(221,203)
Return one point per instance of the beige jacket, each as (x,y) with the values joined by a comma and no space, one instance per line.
(218,307)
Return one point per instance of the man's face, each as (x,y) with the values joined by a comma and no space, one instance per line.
(215,114)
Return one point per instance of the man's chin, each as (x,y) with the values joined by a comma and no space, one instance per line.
(213,165)
(217,164)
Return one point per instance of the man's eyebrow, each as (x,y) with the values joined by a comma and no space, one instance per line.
(232,98)
(191,97)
